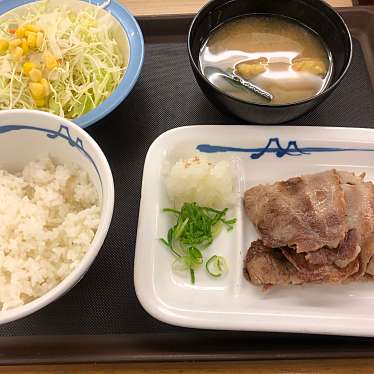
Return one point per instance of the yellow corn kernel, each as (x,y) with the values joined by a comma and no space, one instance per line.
(32,28)
(39,39)
(20,32)
(31,39)
(17,52)
(40,103)
(25,46)
(27,67)
(15,43)
(4,45)
(46,87)
(36,75)
(50,60)
(37,90)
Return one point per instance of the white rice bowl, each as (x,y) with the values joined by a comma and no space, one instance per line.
(49,214)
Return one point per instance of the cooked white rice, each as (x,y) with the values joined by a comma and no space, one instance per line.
(202,181)
(49,214)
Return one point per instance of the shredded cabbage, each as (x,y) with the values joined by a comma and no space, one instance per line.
(91,63)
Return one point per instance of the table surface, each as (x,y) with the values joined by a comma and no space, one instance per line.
(170,7)
(356,366)
(142,8)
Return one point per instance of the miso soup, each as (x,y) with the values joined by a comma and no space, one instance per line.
(275,53)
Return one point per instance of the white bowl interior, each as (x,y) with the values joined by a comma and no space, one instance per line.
(51,136)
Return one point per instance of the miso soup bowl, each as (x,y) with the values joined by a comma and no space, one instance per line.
(315,14)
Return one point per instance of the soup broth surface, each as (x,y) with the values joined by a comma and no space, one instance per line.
(276,53)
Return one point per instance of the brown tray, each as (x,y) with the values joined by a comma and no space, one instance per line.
(100,320)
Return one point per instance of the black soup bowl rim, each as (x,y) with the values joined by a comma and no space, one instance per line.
(321,94)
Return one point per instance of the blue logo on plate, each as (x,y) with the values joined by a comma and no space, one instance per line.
(274,146)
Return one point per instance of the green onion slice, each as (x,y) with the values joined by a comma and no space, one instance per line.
(181,264)
(216,266)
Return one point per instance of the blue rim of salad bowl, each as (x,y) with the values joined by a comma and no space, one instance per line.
(136,43)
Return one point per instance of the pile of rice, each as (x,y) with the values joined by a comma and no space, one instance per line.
(49,214)
(202,181)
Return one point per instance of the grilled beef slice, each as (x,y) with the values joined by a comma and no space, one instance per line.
(306,212)
(314,228)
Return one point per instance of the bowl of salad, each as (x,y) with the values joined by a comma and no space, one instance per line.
(78,59)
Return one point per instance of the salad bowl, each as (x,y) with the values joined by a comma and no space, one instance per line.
(128,36)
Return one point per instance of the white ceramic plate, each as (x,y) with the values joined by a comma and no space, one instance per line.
(258,155)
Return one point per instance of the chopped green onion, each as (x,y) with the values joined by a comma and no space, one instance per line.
(194,231)
(195,256)
(216,266)
(178,231)
(193,259)
(170,210)
(170,237)
(217,229)
(192,276)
